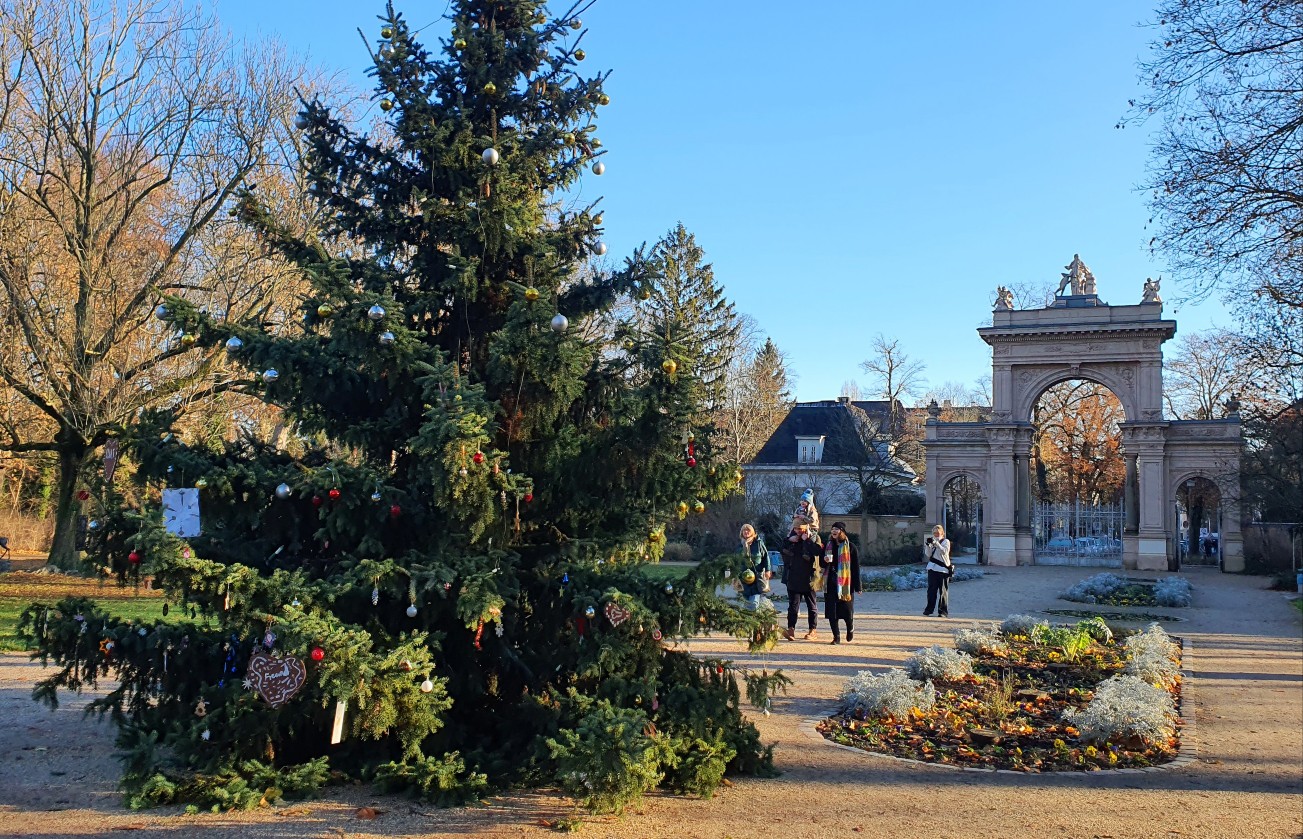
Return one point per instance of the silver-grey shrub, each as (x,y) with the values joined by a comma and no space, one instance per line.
(938,662)
(1173,592)
(1125,706)
(1022,625)
(1092,589)
(1152,655)
(892,693)
(980,638)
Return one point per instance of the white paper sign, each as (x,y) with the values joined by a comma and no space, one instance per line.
(181,512)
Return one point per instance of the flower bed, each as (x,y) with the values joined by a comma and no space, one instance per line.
(911,578)
(1113,590)
(1052,698)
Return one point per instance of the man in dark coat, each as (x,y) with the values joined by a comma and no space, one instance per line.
(801,553)
(839,590)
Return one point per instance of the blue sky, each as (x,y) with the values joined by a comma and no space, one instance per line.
(852,167)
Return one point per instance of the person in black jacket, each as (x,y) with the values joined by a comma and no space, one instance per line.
(801,553)
(841,571)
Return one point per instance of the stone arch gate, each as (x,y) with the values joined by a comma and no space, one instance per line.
(1120,347)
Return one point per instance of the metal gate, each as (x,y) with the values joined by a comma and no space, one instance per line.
(1078,534)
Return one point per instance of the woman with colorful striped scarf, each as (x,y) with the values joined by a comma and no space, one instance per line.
(842,571)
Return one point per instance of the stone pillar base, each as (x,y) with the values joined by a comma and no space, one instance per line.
(1024,547)
(1233,553)
(1002,550)
(1150,554)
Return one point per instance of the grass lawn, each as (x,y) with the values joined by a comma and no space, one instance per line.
(18,591)
(666,572)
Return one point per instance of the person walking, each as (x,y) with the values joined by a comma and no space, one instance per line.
(841,562)
(800,557)
(936,550)
(756,573)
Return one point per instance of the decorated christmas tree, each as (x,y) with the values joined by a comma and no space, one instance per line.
(442,583)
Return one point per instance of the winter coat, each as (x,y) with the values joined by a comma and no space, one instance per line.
(758,561)
(830,570)
(799,558)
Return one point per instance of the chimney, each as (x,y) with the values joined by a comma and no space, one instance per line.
(845,400)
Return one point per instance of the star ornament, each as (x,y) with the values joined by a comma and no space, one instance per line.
(248,684)
(106,646)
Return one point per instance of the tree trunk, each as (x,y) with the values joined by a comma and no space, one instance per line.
(63,550)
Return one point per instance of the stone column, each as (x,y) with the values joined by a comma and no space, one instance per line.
(1000,529)
(1024,543)
(1145,542)
(1131,497)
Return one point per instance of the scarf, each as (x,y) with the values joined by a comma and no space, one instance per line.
(844,570)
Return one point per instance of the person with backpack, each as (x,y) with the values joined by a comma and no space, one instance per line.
(936,550)
(756,572)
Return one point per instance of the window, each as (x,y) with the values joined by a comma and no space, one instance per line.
(809,449)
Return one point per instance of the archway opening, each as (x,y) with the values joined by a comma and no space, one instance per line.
(1078,475)
(962,499)
(1198,510)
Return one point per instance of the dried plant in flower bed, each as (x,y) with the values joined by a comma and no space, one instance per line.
(1053,698)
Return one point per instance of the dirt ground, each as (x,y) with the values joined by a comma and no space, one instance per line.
(58,771)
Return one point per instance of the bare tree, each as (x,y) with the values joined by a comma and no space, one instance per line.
(757,396)
(125,128)
(896,376)
(1203,373)
(1226,80)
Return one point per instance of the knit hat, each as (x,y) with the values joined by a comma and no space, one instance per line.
(840,525)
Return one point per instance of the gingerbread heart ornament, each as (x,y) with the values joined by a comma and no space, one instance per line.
(616,614)
(276,679)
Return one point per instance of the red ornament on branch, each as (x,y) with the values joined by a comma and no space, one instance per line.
(692,461)
(83,495)
(395,511)
(334,495)
(529,496)
(316,501)
(318,654)
(133,558)
(478,457)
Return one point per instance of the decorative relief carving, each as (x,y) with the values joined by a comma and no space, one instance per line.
(1151,414)
(961,433)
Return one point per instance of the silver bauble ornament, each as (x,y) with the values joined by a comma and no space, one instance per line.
(411,611)
(669,588)
(160,311)
(560,323)
(427,686)
(387,339)
(270,375)
(234,344)
(590,612)
(490,156)
(376,312)
(93,524)
(599,167)
(600,248)
(301,121)
(283,491)
(375,496)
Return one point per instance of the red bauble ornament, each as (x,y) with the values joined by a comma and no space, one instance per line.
(316,501)
(478,457)
(692,461)
(318,654)
(720,670)
(334,495)
(529,496)
(133,558)
(83,495)
(395,511)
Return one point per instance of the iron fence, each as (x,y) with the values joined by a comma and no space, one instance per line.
(1078,534)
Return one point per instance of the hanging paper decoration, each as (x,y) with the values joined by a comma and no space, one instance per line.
(181,512)
(479,633)
(276,679)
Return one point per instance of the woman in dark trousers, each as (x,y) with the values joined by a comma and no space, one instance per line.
(841,570)
(936,550)
(800,554)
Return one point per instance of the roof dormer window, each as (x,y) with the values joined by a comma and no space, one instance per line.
(809,449)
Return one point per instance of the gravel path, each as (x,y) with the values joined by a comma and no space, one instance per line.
(58,771)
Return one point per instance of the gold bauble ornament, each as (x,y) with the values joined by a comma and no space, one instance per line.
(459,44)
(580,55)
(669,366)
(576,24)
(748,576)
(699,508)
(202,483)
(654,537)
(568,139)
(531,294)
(325,310)
(738,476)
(386,104)
(683,509)
(386,32)
(187,339)
(603,99)
(629,344)
(595,143)
(597,219)
(490,88)
(645,294)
